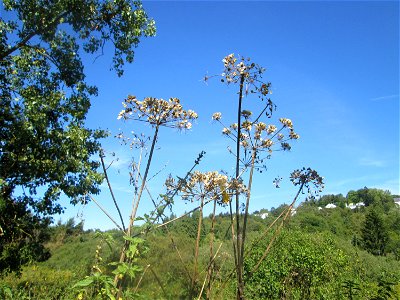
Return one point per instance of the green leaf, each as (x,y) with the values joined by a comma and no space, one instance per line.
(84,283)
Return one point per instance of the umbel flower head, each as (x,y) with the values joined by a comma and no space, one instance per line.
(209,185)
(159,112)
(310,179)
(241,69)
(258,135)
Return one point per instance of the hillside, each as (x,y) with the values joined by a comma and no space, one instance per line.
(317,252)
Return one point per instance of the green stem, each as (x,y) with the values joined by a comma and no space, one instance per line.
(110,189)
(135,207)
(278,230)
(239,269)
(211,264)
(196,251)
(246,213)
(146,172)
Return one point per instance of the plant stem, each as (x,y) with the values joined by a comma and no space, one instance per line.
(277,230)
(246,213)
(146,172)
(196,251)
(211,264)
(110,189)
(239,268)
(135,207)
(105,212)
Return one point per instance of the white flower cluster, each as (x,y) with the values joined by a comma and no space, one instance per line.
(217,116)
(158,112)
(259,135)
(209,185)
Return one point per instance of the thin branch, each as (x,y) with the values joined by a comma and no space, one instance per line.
(158,281)
(277,231)
(183,215)
(110,189)
(140,279)
(29,36)
(104,211)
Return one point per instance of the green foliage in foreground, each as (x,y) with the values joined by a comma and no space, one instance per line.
(316,256)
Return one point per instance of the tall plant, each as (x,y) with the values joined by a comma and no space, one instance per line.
(157,113)
(254,143)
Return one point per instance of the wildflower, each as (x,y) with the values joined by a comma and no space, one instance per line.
(217,116)
(234,126)
(121,114)
(264,89)
(226,131)
(286,122)
(247,125)
(244,136)
(267,143)
(246,113)
(271,129)
(293,135)
(260,126)
(285,146)
(211,185)
(191,114)
(158,112)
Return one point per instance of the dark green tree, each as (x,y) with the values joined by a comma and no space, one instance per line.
(374,233)
(22,235)
(45,148)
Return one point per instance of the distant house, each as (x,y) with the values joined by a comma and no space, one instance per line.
(354,206)
(330,205)
(262,215)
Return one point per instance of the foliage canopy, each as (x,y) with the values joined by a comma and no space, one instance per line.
(45,148)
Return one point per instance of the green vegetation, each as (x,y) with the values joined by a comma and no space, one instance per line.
(314,257)
(45,148)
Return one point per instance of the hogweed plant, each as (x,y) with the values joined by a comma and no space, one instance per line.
(157,113)
(255,141)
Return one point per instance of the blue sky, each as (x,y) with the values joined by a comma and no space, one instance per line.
(334,69)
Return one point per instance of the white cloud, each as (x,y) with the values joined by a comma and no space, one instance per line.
(368,162)
(388,97)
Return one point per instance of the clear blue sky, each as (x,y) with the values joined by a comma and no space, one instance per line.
(334,68)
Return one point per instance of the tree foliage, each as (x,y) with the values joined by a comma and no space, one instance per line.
(374,233)
(45,148)
(300,266)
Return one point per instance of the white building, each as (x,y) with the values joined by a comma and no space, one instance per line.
(330,205)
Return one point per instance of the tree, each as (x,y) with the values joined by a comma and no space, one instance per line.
(22,235)
(45,148)
(372,197)
(374,233)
